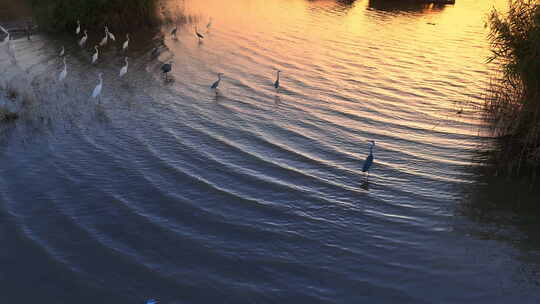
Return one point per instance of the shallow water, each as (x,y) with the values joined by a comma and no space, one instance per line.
(164,190)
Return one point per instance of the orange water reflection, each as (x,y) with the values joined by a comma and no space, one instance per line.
(406,64)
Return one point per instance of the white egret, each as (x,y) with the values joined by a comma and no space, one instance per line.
(105,39)
(7,38)
(97,89)
(113,38)
(124,69)
(276,84)
(63,74)
(126,43)
(83,39)
(96,54)
(78,29)
(216,84)
(62,52)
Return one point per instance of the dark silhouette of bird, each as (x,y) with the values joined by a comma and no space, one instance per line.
(369,159)
(28,30)
(199,35)
(276,83)
(174,31)
(166,68)
(216,84)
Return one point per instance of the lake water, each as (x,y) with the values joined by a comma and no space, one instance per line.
(166,190)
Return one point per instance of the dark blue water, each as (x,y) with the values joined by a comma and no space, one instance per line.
(163,190)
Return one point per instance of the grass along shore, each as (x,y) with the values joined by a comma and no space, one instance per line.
(513,102)
(62,15)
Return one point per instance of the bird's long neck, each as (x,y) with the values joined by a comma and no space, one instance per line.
(126,61)
(371,149)
(277,76)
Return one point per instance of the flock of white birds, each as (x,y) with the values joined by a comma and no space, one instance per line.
(165,68)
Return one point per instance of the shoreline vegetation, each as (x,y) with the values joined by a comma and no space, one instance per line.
(512,105)
(62,15)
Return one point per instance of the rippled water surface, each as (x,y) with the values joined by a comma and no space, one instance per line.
(165,190)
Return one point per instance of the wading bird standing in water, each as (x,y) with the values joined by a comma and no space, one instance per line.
(7,38)
(97,89)
(78,29)
(369,159)
(113,38)
(63,74)
(105,39)
(166,68)
(96,54)
(124,69)
(276,84)
(83,39)
(199,35)
(126,43)
(28,30)
(216,84)
(173,32)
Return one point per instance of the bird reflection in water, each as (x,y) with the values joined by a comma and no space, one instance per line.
(277,100)
(365,184)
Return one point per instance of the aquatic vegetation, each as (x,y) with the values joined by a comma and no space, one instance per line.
(513,102)
(60,15)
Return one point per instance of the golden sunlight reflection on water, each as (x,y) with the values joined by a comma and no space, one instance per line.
(406,64)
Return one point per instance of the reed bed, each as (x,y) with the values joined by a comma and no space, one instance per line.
(513,101)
